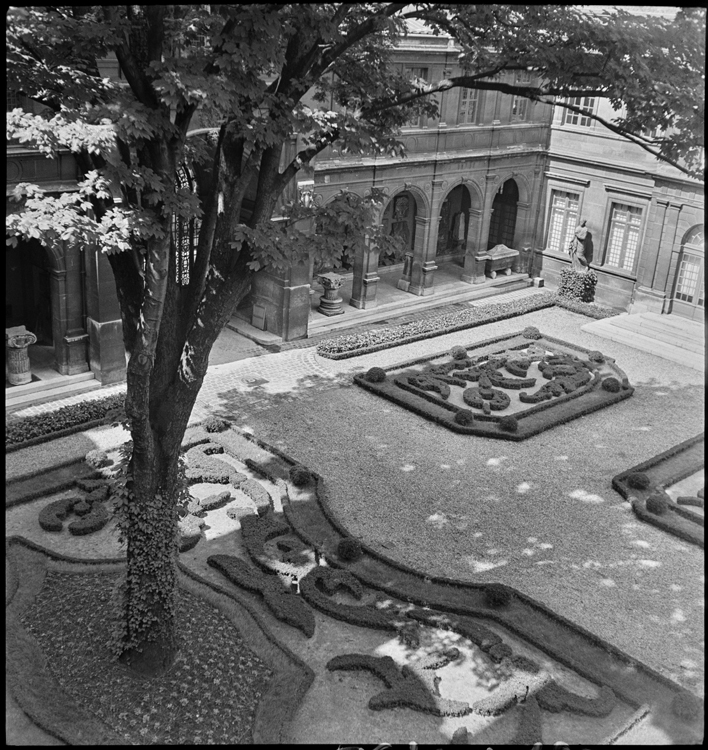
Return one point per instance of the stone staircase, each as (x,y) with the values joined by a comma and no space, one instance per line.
(40,391)
(667,336)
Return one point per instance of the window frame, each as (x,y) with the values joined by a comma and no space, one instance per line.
(568,230)
(568,114)
(521,116)
(412,71)
(476,100)
(607,238)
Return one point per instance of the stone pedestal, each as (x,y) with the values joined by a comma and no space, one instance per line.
(366,278)
(18,361)
(330,301)
(473,272)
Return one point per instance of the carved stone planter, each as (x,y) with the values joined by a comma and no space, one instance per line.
(330,301)
(18,361)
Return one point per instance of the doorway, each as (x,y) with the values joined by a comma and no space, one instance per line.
(502,225)
(688,297)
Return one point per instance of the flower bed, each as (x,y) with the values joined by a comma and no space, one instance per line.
(643,486)
(353,345)
(481,394)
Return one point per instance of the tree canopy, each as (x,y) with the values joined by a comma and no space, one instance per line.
(248,95)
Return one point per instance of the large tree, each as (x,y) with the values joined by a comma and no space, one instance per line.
(247,78)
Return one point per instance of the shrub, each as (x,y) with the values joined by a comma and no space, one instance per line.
(376,375)
(496,595)
(349,549)
(638,480)
(93,521)
(509,423)
(215,501)
(464,417)
(596,356)
(458,352)
(214,424)
(657,504)
(61,419)
(577,285)
(531,332)
(611,385)
(97,459)
(52,515)
(299,475)
(82,508)
(686,706)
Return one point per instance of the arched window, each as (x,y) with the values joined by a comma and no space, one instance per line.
(185,232)
(689,294)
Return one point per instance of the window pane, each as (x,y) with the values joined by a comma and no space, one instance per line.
(689,274)
(563,219)
(623,241)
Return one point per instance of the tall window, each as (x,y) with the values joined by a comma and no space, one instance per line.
(185,232)
(417,121)
(587,104)
(689,279)
(562,219)
(519,107)
(467,113)
(623,239)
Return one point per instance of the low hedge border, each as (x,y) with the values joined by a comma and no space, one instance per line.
(407,687)
(82,416)
(283,605)
(479,316)
(531,421)
(569,658)
(291,681)
(665,469)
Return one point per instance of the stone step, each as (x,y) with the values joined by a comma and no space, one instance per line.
(686,333)
(442,298)
(17,400)
(629,336)
(48,383)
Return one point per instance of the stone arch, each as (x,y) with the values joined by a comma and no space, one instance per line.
(460,211)
(405,224)
(688,280)
(521,181)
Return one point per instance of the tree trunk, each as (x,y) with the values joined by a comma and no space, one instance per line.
(150,634)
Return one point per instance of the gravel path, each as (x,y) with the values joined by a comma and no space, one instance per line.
(539,515)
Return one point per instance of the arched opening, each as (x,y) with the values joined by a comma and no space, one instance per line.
(399,220)
(28,300)
(502,224)
(688,298)
(453,223)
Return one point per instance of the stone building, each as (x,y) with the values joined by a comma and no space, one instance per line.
(645,217)
(491,169)
(472,179)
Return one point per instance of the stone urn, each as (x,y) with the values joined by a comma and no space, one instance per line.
(330,301)
(18,361)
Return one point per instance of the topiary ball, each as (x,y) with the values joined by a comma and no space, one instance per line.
(458,352)
(509,423)
(376,375)
(299,476)
(596,356)
(464,417)
(686,706)
(657,504)
(638,480)
(349,549)
(531,332)
(496,595)
(214,424)
(97,459)
(611,385)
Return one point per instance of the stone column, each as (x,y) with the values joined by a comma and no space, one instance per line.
(366,277)
(646,298)
(103,320)
(423,259)
(664,275)
(330,301)
(75,339)
(286,297)
(476,257)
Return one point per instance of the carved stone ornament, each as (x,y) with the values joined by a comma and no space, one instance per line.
(21,340)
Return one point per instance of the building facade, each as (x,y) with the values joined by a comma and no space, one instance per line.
(491,169)
(645,217)
(472,179)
